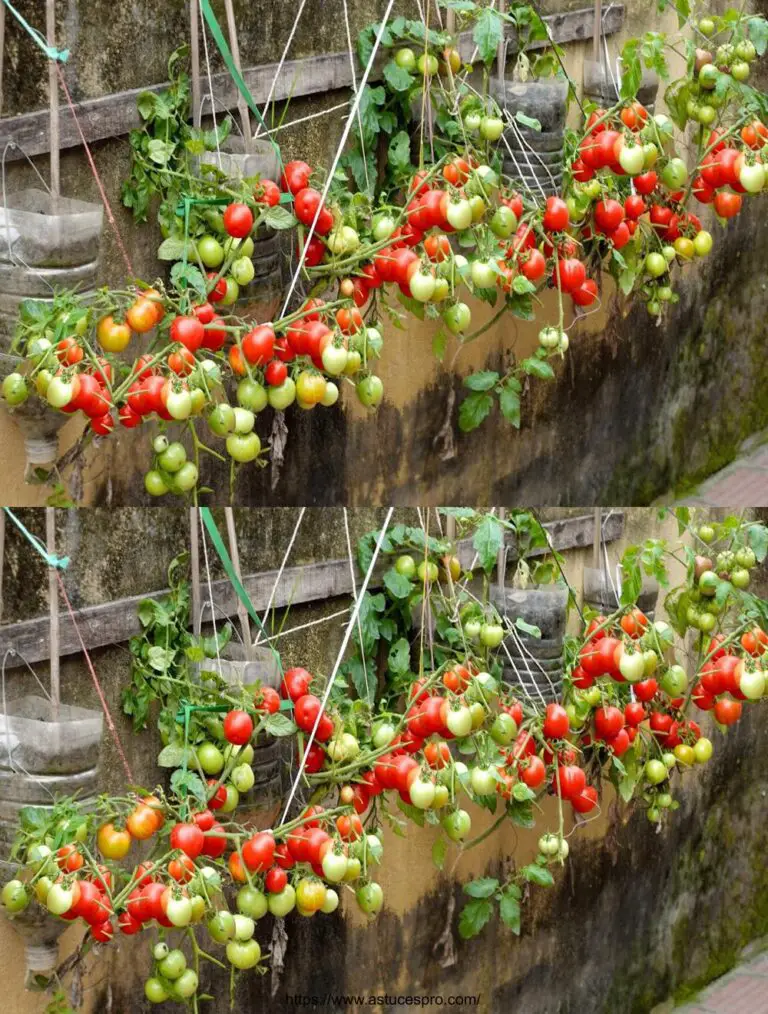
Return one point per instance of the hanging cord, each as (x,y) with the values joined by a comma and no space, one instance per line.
(210,599)
(94,170)
(209,75)
(354,599)
(262,625)
(14,765)
(354,92)
(337,157)
(273,85)
(97,685)
(339,657)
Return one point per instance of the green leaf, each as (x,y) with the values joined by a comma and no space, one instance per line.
(370,101)
(628,781)
(172,249)
(757,29)
(509,910)
(537,368)
(439,849)
(522,286)
(487,541)
(397,584)
(488,34)
(537,875)
(722,592)
(279,218)
(187,276)
(398,78)
(438,345)
(527,628)
(473,410)
(399,658)
(172,756)
(399,151)
(758,540)
(160,151)
(483,887)
(632,71)
(412,812)
(474,916)
(527,121)
(160,659)
(483,380)
(279,725)
(509,403)
(187,783)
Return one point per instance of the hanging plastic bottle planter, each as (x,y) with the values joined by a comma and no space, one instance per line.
(45,753)
(603,590)
(260,805)
(601,84)
(47,244)
(534,664)
(531,156)
(260,298)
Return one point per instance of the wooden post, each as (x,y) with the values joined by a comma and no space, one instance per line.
(242,105)
(234,553)
(53,610)
(2,52)
(597,31)
(194,561)
(194,57)
(501,559)
(597,537)
(53,101)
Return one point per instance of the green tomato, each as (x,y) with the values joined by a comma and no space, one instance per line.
(283,395)
(331,902)
(233,798)
(504,729)
(383,227)
(674,174)
(656,265)
(243,953)
(243,270)
(405,565)
(740,70)
(221,419)
(491,128)
(504,222)
(186,477)
(457,825)
(740,577)
(655,772)
(210,758)
(243,777)
(370,898)
(234,247)
(330,395)
(210,251)
(186,984)
(370,391)
(457,318)
(172,965)
(252,396)
(252,902)
(244,420)
(707,27)
(427,64)
(283,902)
(244,927)
(405,58)
(243,447)
(15,389)
(427,571)
(702,750)
(154,483)
(155,991)
(491,635)
(172,458)
(160,950)
(14,896)
(674,681)
(221,926)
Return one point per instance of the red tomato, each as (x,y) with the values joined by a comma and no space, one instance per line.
(556,216)
(646,183)
(609,215)
(646,690)
(187,331)
(586,800)
(295,176)
(259,852)
(188,838)
(238,220)
(295,683)
(555,722)
(570,780)
(238,727)
(259,345)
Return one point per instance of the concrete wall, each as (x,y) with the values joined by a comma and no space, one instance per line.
(636,409)
(634,917)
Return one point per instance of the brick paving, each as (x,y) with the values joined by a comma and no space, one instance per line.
(743,483)
(742,991)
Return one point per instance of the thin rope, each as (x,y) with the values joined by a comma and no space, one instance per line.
(94,170)
(305,626)
(342,649)
(272,86)
(210,83)
(59,562)
(37,37)
(263,624)
(354,599)
(337,157)
(95,678)
(354,92)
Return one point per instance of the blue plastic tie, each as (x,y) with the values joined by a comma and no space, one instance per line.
(61,562)
(50,51)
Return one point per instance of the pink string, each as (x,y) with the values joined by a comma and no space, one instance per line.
(97,685)
(104,198)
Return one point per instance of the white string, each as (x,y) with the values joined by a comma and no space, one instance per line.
(354,92)
(305,119)
(210,91)
(15,258)
(14,765)
(224,615)
(354,599)
(337,157)
(304,626)
(262,626)
(295,25)
(342,649)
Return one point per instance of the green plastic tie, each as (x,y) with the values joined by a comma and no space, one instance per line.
(62,55)
(60,562)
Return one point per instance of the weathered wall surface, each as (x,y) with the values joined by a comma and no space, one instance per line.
(635,916)
(635,411)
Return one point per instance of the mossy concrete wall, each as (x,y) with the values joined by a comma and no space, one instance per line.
(635,410)
(635,917)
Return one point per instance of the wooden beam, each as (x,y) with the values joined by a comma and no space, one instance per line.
(117,621)
(115,114)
